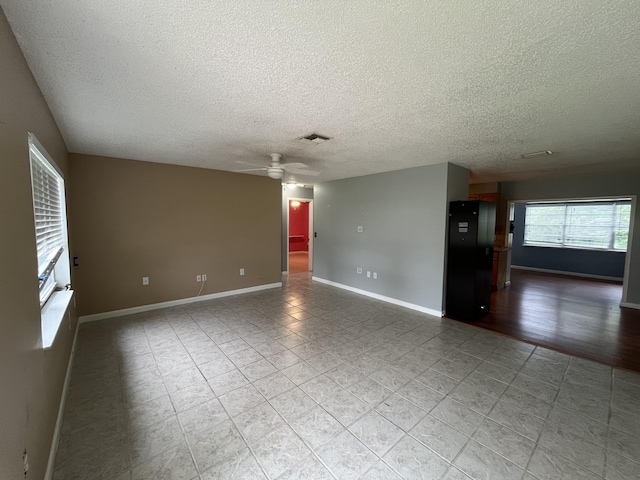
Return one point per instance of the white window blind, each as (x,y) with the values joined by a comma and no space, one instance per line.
(49,215)
(596,224)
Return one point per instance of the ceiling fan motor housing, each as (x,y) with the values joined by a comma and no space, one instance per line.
(275,172)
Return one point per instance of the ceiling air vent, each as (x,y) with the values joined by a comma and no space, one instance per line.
(314,138)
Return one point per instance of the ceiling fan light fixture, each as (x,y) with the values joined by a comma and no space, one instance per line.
(275,173)
(536,154)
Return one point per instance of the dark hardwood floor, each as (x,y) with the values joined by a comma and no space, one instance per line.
(573,315)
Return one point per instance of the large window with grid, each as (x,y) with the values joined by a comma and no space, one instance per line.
(49,212)
(594,224)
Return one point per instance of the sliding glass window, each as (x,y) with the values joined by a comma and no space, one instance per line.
(594,224)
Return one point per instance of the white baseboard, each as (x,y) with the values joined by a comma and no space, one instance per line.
(285,272)
(51,463)
(182,301)
(630,305)
(395,301)
(568,274)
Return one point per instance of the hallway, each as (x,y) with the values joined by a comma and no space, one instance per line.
(298,262)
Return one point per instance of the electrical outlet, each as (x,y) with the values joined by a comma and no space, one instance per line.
(375,276)
(359,270)
(242,271)
(360,229)
(145,280)
(198,278)
(204,277)
(368,274)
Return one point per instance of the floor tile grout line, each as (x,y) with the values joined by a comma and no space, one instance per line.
(285,422)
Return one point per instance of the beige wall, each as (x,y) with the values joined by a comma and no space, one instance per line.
(132,219)
(31,379)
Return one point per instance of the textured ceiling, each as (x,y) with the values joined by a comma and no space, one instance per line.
(395,84)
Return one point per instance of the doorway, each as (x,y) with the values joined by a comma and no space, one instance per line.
(299,235)
(604,264)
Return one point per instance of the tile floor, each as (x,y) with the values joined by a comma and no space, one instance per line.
(312,382)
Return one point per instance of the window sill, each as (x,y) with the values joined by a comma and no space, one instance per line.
(52,314)
(568,247)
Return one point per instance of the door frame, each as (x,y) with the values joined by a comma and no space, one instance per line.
(627,259)
(310,202)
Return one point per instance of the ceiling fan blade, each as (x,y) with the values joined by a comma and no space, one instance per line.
(298,168)
(249,163)
(290,165)
(250,169)
(302,171)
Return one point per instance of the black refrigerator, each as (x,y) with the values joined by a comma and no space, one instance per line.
(472,227)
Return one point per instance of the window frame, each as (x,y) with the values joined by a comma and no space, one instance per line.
(53,271)
(53,268)
(566,225)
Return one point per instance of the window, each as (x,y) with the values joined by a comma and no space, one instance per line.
(49,212)
(593,224)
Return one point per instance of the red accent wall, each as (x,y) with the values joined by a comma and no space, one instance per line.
(299,227)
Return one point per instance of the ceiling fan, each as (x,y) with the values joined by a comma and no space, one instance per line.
(276,170)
